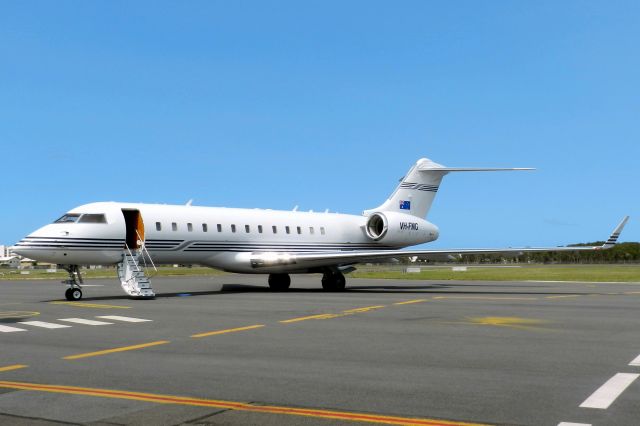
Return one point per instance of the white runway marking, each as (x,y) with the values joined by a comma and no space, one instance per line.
(44,324)
(607,393)
(573,424)
(635,362)
(7,329)
(85,321)
(126,319)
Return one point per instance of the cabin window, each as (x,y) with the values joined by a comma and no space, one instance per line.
(287,230)
(247,229)
(205,228)
(322,230)
(68,218)
(275,229)
(311,231)
(219,226)
(158,226)
(174,226)
(299,230)
(233,228)
(93,218)
(190,227)
(259,229)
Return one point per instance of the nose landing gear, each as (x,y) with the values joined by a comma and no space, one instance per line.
(74,292)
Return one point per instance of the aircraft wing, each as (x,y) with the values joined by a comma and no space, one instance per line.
(353,257)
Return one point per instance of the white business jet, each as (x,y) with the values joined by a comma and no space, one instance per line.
(253,241)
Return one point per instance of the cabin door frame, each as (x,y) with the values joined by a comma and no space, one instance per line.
(134,228)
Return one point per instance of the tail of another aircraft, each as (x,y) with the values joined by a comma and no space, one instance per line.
(418,188)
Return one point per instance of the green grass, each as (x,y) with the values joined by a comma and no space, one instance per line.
(598,273)
(38,274)
(590,273)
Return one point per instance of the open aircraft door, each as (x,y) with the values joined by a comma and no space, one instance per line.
(134,228)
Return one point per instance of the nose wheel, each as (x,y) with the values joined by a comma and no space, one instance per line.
(74,292)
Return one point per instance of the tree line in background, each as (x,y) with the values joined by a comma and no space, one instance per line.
(621,253)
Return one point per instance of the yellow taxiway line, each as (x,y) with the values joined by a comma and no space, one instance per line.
(310,317)
(231,405)
(13,367)
(409,302)
(114,350)
(91,305)
(230,330)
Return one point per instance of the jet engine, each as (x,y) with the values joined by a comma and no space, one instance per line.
(399,229)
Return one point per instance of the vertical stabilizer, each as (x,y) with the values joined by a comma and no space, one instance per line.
(416,191)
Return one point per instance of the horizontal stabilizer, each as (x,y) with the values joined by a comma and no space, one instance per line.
(470,169)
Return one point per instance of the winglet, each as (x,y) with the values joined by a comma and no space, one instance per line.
(613,238)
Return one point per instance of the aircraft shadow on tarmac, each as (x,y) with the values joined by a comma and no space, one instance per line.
(431,289)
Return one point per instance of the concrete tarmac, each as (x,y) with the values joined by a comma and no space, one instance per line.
(225,350)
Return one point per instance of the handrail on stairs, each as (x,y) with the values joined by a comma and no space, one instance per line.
(144,250)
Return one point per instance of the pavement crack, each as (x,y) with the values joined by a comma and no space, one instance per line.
(206,416)
(14,416)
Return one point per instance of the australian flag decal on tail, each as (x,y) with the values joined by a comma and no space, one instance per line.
(405,205)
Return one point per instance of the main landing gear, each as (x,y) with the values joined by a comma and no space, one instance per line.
(333,280)
(279,282)
(74,292)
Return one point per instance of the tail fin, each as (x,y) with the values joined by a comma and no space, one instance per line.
(418,188)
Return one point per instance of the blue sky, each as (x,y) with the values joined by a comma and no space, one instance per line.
(326,104)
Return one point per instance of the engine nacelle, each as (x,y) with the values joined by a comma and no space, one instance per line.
(399,229)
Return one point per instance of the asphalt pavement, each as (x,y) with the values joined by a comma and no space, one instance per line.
(225,350)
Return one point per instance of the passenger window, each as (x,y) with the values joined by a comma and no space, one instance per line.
(322,230)
(247,229)
(158,226)
(219,228)
(174,226)
(205,228)
(93,218)
(275,229)
(68,218)
(287,230)
(299,230)
(190,227)
(311,230)
(233,228)
(259,229)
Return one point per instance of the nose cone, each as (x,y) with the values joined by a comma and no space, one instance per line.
(37,245)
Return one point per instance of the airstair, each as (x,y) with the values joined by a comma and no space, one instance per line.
(132,275)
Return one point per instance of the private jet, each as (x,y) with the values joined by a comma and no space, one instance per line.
(136,237)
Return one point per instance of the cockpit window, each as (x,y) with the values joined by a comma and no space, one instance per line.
(93,218)
(68,218)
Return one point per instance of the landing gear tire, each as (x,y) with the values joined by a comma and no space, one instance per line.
(279,282)
(333,281)
(73,294)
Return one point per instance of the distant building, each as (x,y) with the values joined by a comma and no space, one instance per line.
(9,262)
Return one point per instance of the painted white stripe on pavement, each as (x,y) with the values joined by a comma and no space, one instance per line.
(44,324)
(635,362)
(607,393)
(126,319)
(573,424)
(84,321)
(7,329)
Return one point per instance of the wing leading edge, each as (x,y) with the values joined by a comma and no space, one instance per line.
(352,257)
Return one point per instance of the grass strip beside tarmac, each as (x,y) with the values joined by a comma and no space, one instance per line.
(586,273)
(590,273)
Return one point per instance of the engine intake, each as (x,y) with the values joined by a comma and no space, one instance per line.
(399,229)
